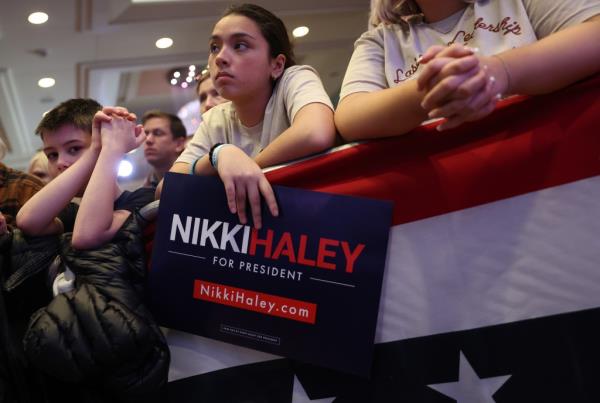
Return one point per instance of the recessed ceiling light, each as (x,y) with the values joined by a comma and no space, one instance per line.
(46,82)
(299,32)
(173,81)
(176,74)
(184,85)
(192,68)
(37,17)
(164,43)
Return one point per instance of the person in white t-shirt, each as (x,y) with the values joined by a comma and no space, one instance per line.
(278,111)
(454,59)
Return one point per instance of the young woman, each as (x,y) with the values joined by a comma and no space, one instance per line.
(403,71)
(278,111)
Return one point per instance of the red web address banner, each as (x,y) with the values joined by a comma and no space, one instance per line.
(255,301)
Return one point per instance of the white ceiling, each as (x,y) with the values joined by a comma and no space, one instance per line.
(104,49)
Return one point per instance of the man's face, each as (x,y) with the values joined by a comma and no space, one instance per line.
(208,95)
(160,148)
(63,147)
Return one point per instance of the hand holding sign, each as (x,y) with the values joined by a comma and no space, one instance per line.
(243,179)
(306,285)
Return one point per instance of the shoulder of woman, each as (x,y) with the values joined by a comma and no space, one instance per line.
(376,35)
(299,73)
(380,31)
(217,114)
(294,76)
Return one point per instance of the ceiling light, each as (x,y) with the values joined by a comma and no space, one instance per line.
(125,168)
(176,76)
(37,18)
(299,32)
(164,43)
(46,82)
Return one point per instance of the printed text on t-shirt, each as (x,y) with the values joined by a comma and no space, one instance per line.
(505,27)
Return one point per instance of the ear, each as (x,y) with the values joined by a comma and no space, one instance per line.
(180,144)
(277,66)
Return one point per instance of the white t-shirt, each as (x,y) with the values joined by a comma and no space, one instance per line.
(297,87)
(387,55)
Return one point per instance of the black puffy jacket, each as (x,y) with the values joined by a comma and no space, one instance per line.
(98,342)
(23,290)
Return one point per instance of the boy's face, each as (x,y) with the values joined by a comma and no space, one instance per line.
(63,147)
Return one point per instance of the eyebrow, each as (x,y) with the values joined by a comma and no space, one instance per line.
(65,144)
(235,35)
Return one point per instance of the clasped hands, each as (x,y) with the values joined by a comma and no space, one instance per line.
(460,85)
(115,128)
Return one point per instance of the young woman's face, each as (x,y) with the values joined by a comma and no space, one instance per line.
(240,64)
(63,147)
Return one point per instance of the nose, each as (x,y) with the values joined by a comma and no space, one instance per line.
(149,138)
(222,58)
(62,164)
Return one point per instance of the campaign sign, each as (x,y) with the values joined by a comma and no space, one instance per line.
(305,286)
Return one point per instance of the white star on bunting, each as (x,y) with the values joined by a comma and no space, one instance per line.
(300,395)
(470,388)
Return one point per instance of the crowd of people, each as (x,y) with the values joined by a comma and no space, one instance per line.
(420,59)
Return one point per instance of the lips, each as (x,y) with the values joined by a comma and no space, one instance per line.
(223,74)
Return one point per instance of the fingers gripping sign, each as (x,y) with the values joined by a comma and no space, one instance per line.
(244,183)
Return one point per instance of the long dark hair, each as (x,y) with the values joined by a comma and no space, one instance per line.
(271,27)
